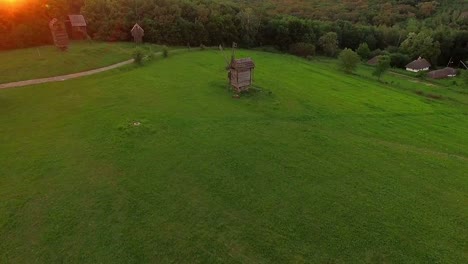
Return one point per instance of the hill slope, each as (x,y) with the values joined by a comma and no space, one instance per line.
(320,166)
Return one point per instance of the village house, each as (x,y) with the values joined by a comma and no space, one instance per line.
(418,65)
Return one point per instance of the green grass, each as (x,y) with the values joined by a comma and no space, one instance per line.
(48,61)
(317,167)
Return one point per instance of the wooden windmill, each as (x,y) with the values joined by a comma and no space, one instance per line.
(59,34)
(137,33)
(240,72)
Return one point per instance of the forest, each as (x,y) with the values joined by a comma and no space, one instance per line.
(404,29)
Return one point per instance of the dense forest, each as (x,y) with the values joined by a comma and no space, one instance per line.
(405,29)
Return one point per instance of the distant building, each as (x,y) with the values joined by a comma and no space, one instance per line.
(76,25)
(443,73)
(374,61)
(137,33)
(418,65)
(241,73)
(59,34)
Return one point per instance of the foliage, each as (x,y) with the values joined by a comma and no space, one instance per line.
(363,51)
(302,49)
(399,60)
(329,43)
(138,56)
(165,52)
(348,60)
(421,44)
(382,66)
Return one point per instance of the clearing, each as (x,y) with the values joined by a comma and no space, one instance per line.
(317,166)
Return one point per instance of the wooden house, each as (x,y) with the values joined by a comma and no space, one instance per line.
(241,73)
(137,33)
(374,61)
(443,73)
(59,34)
(418,65)
(77,27)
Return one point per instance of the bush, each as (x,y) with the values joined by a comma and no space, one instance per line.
(138,56)
(165,52)
(363,51)
(202,47)
(302,49)
(348,60)
(464,76)
(399,60)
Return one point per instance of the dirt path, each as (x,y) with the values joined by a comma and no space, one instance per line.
(73,75)
(412,79)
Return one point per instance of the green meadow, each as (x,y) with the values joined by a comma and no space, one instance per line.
(159,164)
(48,61)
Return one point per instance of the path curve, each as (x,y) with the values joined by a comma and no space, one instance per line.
(64,77)
(73,75)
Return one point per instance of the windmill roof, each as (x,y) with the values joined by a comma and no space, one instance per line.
(419,64)
(442,73)
(137,27)
(77,20)
(245,63)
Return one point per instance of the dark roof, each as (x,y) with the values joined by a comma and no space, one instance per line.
(137,27)
(77,20)
(245,63)
(418,64)
(374,61)
(442,73)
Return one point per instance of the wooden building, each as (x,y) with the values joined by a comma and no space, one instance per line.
(374,61)
(76,25)
(418,65)
(241,73)
(137,33)
(59,34)
(442,73)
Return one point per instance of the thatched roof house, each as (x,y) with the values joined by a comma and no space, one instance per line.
(443,73)
(418,65)
(374,61)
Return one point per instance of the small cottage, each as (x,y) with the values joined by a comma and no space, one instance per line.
(77,27)
(418,65)
(443,73)
(374,61)
(59,34)
(137,33)
(241,73)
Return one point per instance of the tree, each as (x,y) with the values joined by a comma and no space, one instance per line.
(363,51)
(382,66)
(329,43)
(348,60)
(421,44)
(302,49)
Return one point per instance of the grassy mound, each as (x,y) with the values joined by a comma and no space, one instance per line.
(48,61)
(160,164)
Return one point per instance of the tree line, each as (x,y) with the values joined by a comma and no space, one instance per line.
(209,22)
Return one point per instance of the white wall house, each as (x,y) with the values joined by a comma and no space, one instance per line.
(418,65)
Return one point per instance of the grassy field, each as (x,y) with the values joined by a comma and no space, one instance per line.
(47,61)
(316,166)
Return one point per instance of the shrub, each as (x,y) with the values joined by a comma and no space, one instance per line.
(348,60)
(138,56)
(165,52)
(382,66)
(302,49)
(399,60)
(202,47)
(464,76)
(363,51)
